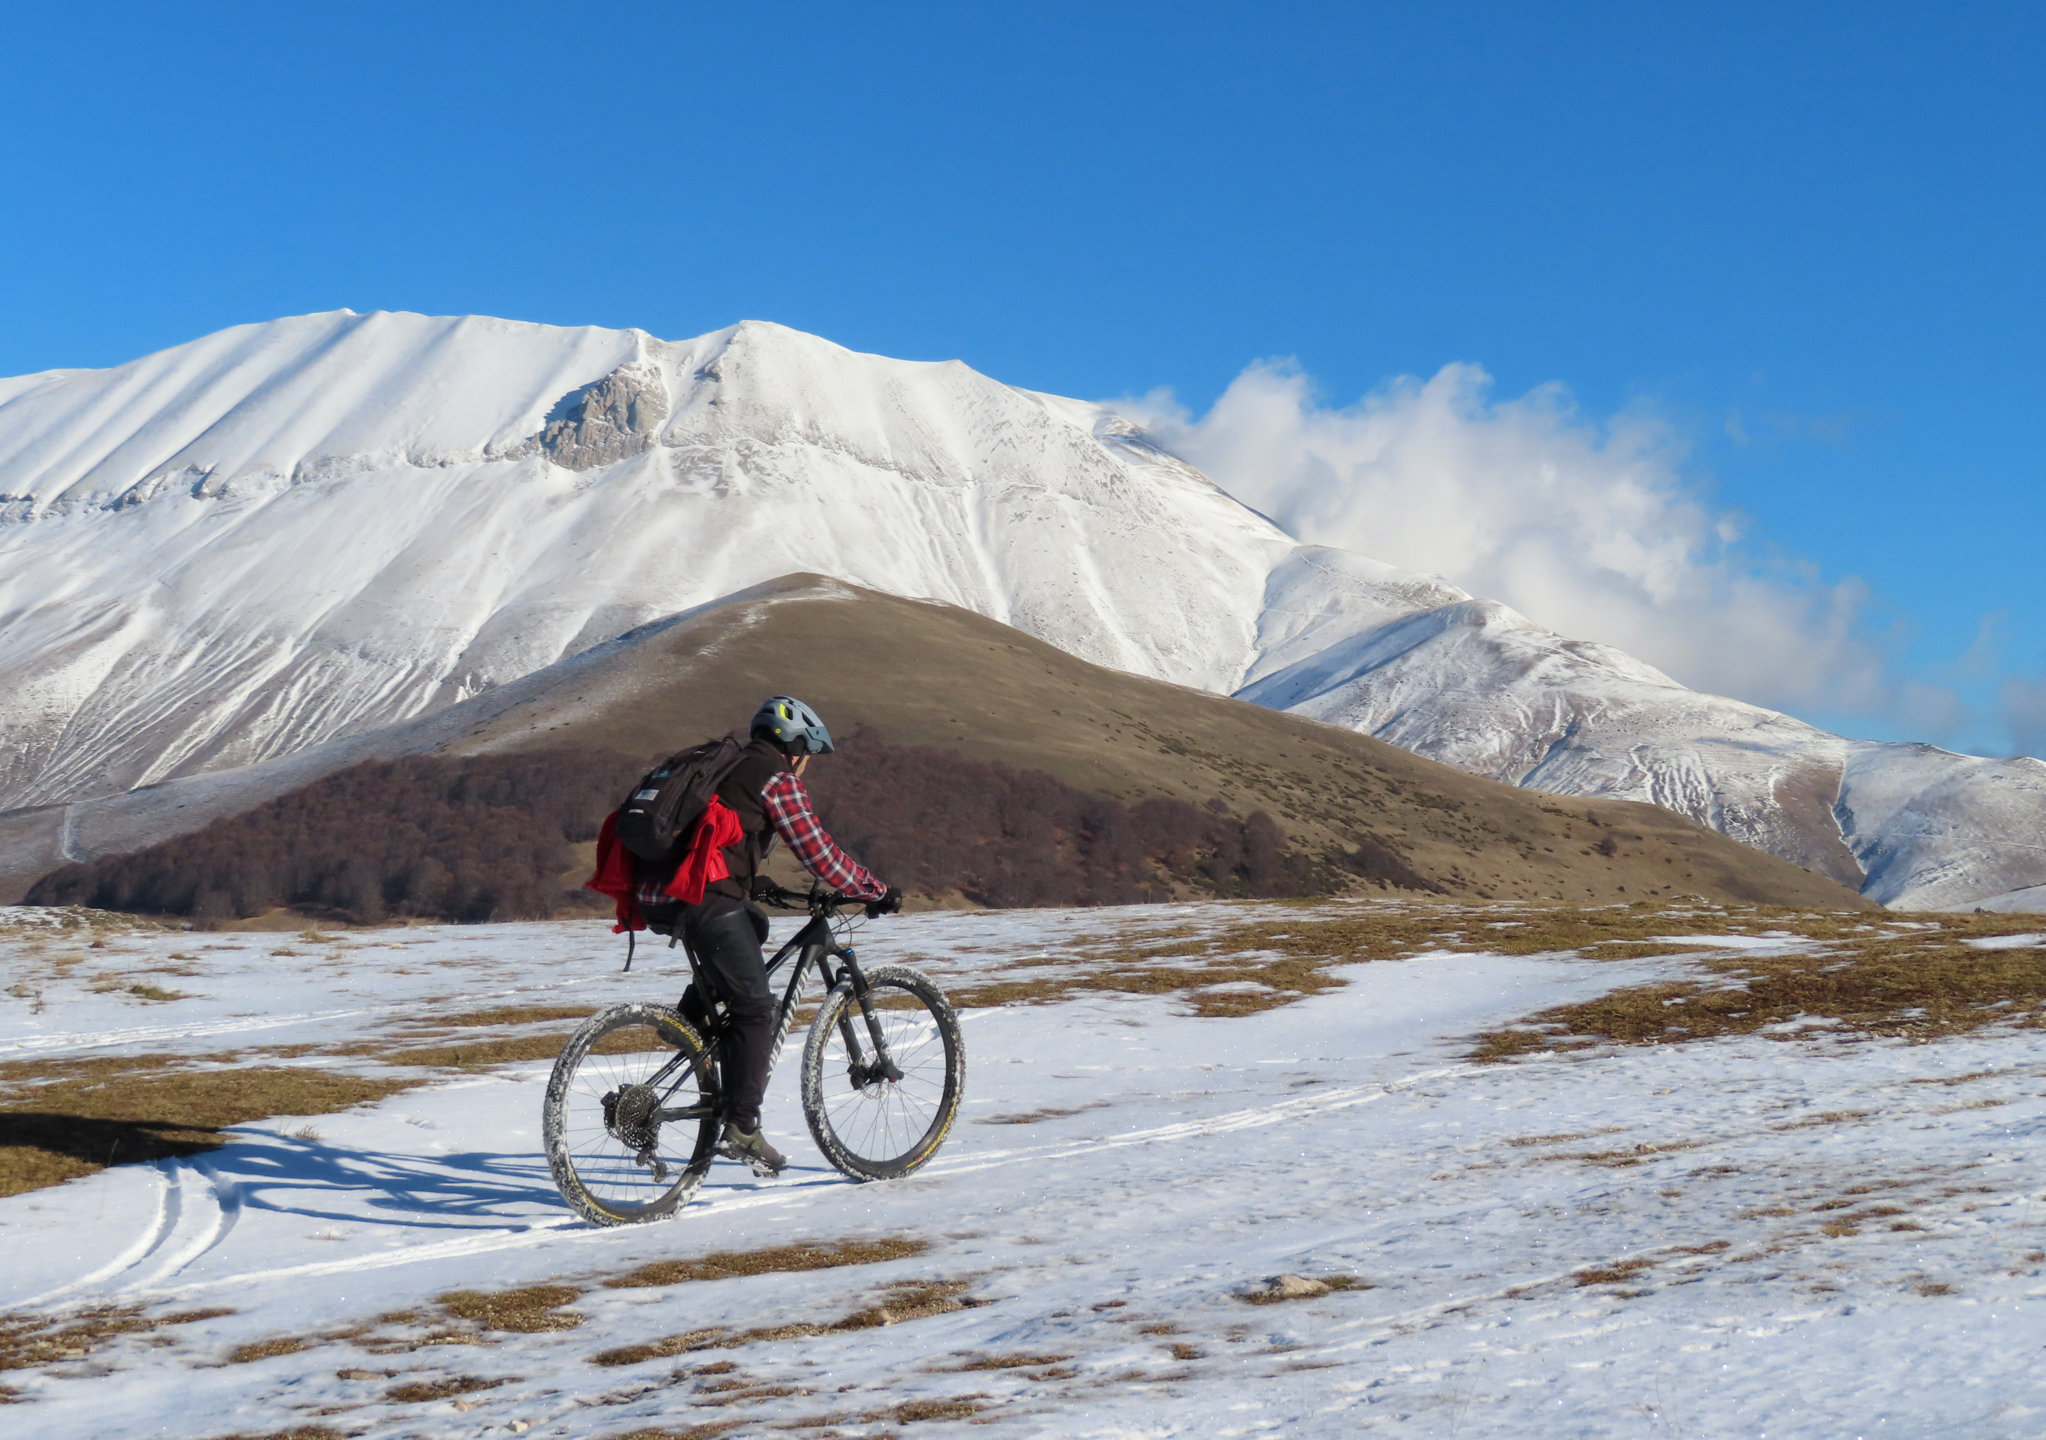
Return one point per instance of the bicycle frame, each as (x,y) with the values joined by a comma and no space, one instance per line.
(814,945)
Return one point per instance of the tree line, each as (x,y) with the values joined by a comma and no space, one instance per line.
(490,838)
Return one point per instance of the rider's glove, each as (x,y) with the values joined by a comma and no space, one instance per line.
(889,904)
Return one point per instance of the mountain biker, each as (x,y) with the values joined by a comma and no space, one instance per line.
(725,933)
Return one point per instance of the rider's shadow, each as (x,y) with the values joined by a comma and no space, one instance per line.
(476,1190)
(473,1190)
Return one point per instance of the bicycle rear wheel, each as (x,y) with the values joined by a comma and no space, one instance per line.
(628,1118)
(870,1123)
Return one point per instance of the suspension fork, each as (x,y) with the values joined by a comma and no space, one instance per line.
(883,1066)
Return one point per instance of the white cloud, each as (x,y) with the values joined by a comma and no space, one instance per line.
(1589,527)
(2024,712)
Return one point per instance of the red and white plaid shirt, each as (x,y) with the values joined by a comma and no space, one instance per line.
(788,806)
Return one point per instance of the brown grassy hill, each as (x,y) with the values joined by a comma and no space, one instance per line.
(924,674)
(952,706)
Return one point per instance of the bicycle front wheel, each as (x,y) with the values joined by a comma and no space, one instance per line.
(879,1112)
(628,1119)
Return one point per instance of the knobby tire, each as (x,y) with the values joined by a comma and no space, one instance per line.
(884,1129)
(603,1178)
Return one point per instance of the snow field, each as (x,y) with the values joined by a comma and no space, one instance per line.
(1817,1237)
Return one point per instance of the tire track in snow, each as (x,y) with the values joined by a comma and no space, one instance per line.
(214,1207)
(169,1201)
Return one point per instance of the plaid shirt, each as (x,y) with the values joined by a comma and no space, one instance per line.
(788,806)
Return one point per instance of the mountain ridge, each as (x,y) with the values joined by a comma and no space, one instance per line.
(292,532)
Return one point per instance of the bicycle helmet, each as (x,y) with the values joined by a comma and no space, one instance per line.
(791,724)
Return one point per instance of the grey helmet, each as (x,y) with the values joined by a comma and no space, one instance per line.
(792,725)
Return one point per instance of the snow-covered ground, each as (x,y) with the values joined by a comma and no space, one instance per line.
(1756,1237)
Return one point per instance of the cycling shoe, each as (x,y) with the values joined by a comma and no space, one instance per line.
(752,1147)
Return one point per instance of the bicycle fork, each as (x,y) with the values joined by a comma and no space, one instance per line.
(861,1071)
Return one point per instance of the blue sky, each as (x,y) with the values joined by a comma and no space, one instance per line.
(1802,242)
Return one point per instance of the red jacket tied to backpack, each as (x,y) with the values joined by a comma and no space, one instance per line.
(702,862)
(758,800)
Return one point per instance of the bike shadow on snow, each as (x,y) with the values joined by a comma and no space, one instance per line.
(467,1190)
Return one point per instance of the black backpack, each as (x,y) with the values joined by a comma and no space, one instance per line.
(656,818)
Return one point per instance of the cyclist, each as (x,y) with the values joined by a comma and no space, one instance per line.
(726,931)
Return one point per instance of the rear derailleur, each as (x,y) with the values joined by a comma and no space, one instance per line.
(632,1115)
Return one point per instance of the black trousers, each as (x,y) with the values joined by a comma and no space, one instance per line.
(726,941)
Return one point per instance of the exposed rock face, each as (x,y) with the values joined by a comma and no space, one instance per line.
(613,419)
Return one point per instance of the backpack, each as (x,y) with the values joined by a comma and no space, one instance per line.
(656,818)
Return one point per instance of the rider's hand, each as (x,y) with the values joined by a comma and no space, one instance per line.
(889,904)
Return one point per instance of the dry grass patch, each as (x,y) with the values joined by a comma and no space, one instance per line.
(28,1342)
(1265,984)
(143,991)
(1522,1141)
(79,1117)
(1024,1360)
(740,1392)
(418,1392)
(498,1050)
(911,1412)
(771,1260)
(1617,1273)
(507,1015)
(271,1348)
(1826,1118)
(1971,1076)
(910,1300)
(526,1310)
(459,1317)
(295,1432)
(1922,983)
(1274,961)
(1623,1159)
(1395,932)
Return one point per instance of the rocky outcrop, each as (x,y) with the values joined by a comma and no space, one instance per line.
(612,419)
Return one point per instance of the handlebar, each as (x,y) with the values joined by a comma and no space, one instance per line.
(817,902)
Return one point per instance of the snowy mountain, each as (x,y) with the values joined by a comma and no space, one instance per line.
(291,532)
(1478,686)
